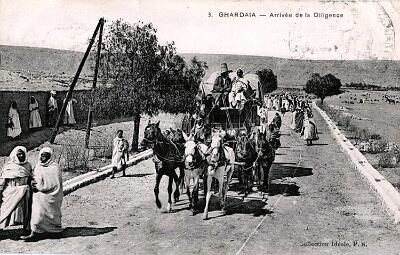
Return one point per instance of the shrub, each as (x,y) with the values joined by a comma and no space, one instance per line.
(376,136)
(352,128)
(387,160)
(362,135)
(391,158)
(102,146)
(74,156)
(344,121)
(380,146)
(377,146)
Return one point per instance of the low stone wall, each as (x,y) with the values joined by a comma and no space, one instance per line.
(102,173)
(385,191)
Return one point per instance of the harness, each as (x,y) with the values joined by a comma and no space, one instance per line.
(166,158)
(223,160)
(197,163)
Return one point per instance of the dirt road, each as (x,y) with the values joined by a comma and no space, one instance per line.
(320,205)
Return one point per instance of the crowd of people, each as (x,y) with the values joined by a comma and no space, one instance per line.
(31,196)
(302,121)
(13,125)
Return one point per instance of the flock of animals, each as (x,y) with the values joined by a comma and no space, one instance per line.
(368,97)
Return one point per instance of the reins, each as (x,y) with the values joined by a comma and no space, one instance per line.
(168,141)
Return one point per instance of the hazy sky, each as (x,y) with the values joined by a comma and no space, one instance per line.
(367,29)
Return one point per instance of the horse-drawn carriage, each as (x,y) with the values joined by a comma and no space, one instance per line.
(227,117)
(228,142)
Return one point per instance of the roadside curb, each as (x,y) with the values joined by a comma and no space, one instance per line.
(95,176)
(388,195)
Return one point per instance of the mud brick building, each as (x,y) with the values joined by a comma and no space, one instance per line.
(22,98)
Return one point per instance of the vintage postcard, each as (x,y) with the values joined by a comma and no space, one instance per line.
(199,127)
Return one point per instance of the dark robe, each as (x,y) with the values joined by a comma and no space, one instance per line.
(221,89)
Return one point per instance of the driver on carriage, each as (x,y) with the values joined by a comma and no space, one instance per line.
(239,87)
(222,86)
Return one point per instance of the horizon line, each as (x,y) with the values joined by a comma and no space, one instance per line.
(227,54)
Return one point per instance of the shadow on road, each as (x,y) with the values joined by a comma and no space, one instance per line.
(286,189)
(136,175)
(281,170)
(238,206)
(319,144)
(85,231)
(12,234)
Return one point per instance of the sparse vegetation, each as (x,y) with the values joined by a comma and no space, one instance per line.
(74,156)
(388,156)
(363,86)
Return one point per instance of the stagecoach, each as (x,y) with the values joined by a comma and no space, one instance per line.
(226,117)
(234,122)
(218,157)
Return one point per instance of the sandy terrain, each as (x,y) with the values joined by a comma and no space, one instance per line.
(377,116)
(318,199)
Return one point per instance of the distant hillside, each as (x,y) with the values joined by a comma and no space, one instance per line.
(290,72)
(41,60)
(293,72)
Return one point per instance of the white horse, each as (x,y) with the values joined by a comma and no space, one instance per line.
(220,161)
(195,162)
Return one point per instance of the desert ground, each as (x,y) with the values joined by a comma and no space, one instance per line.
(377,116)
(319,204)
(374,113)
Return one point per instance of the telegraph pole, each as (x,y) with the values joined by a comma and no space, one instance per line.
(75,80)
(96,70)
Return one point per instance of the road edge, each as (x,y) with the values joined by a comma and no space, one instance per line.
(387,194)
(95,176)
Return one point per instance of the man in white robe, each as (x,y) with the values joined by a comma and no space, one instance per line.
(34,116)
(13,124)
(262,111)
(47,198)
(52,113)
(120,154)
(15,191)
(69,116)
(236,97)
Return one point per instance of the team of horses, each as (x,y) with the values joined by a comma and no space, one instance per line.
(210,154)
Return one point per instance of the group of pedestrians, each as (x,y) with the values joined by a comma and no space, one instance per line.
(31,196)
(302,120)
(13,125)
(304,123)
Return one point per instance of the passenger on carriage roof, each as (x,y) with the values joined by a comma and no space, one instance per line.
(222,86)
(239,86)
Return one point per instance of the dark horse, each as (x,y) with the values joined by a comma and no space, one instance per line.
(265,158)
(167,157)
(246,154)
